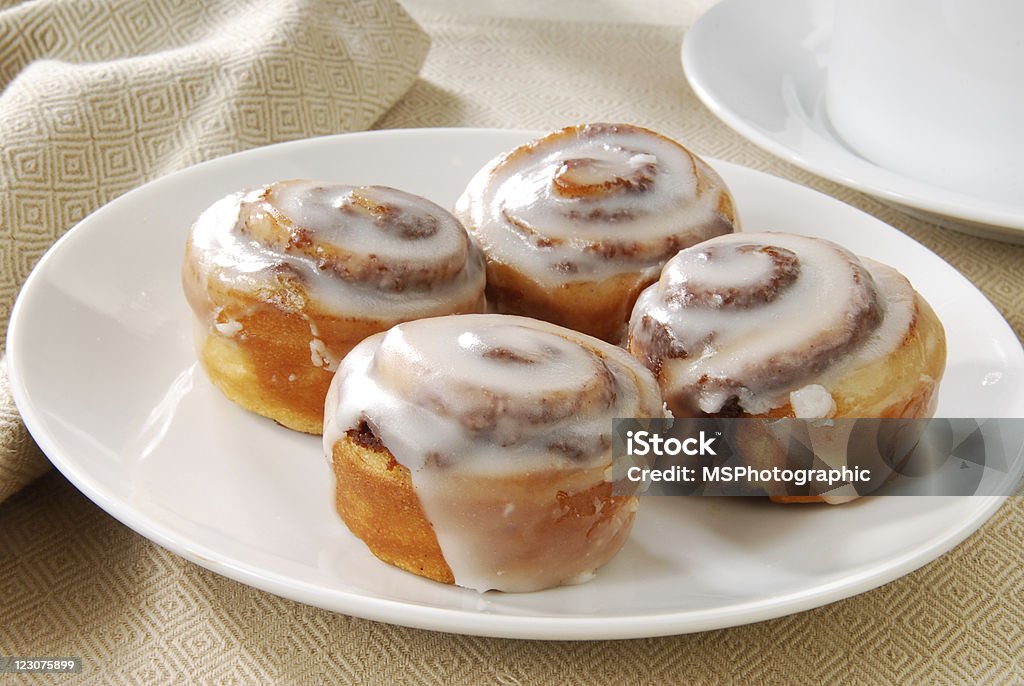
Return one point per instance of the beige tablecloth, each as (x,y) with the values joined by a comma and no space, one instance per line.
(73,581)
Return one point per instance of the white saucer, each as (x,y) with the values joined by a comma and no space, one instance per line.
(761,68)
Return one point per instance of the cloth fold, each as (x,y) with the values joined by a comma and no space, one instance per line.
(100,96)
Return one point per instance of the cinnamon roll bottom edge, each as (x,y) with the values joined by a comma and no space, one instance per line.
(545,528)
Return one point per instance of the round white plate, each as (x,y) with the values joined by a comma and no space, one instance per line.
(761,68)
(104,373)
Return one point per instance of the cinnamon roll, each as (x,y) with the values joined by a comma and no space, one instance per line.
(285,279)
(574,225)
(476,449)
(779,325)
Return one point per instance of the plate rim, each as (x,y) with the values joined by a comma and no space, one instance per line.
(527,626)
(992,217)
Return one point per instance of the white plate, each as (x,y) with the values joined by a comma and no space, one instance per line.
(761,68)
(104,374)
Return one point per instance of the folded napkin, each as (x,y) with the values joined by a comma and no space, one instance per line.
(100,96)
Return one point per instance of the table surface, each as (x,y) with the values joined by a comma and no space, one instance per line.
(140,614)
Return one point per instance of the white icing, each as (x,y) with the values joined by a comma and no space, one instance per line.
(648,204)
(375,227)
(321,356)
(639,160)
(489,396)
(813,401)
(228,328)
(301,244)
(729,347)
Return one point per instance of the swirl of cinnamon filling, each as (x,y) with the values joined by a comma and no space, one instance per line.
(592,201)
(508,392)
(285,279)
(367,251)
(754,321)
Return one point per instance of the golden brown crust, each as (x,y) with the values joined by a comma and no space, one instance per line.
(375,497)
(268,370)
(599,309)
(561,520)
(796,499)
(904,383)
(260,378)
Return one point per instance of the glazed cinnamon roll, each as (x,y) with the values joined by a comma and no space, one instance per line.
(574,225)
(285,279)
(780,325)
(476,449)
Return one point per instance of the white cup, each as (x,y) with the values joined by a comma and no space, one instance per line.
(933,89)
